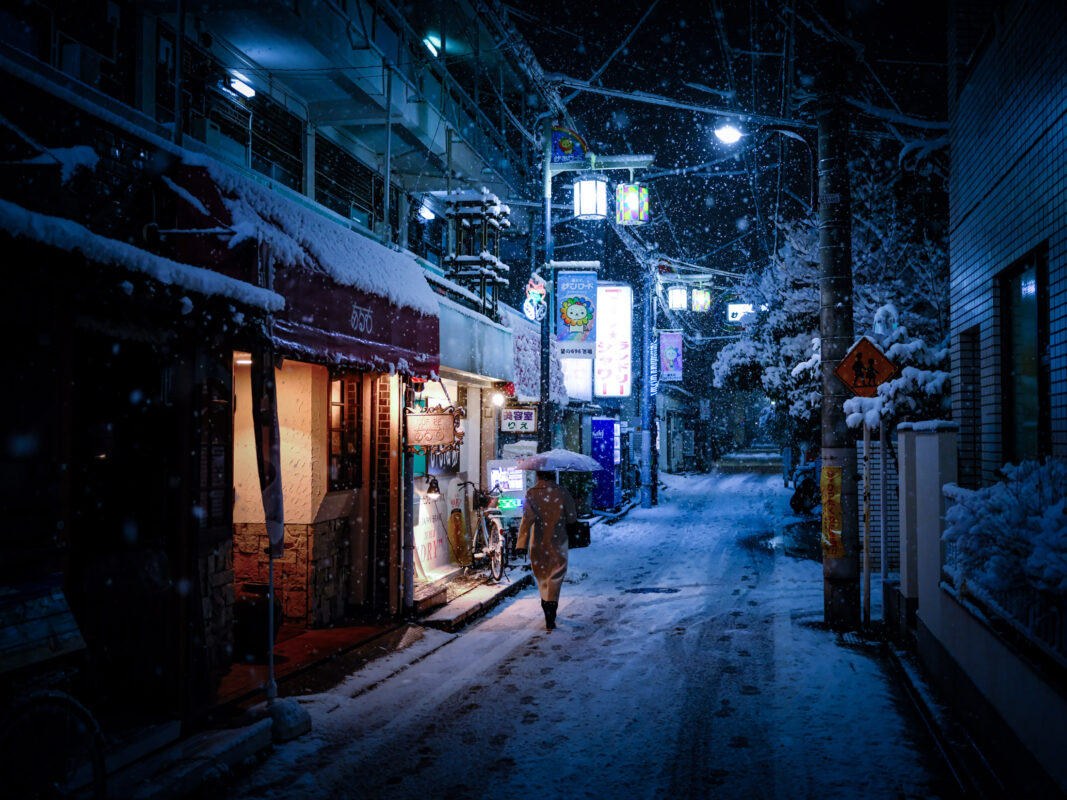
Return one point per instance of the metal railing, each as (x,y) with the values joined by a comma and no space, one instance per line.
(1037,616)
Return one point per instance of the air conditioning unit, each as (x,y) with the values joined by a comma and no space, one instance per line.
(230,149)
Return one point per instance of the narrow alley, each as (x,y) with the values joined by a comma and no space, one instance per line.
(689,662)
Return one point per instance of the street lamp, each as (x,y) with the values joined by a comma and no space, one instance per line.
(677,298)
(728,134)
(591,197)
(566,151)
(631,204)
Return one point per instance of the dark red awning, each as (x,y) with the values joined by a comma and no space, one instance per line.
(324,320)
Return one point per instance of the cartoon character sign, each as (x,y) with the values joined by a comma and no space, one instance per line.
(670,356)
(577,313)
(535,306)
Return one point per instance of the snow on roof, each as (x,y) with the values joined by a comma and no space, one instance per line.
(304,238)
(69,236)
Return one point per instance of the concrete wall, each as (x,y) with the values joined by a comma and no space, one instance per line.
(1009,699)
(1007,197)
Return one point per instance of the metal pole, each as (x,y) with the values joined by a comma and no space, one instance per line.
(646,390)
(409,510)
(544,427)
(179,44)
(866,524)
(272,686)
(386,205)
(883,489)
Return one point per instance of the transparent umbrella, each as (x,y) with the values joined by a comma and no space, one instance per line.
(559,461)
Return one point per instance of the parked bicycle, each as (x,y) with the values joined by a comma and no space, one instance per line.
(489,541)
(50,744)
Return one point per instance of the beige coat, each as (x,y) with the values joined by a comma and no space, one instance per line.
(543,531)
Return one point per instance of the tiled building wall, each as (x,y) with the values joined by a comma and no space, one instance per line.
(1008,197)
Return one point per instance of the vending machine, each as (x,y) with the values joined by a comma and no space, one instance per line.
(513,483)
(606,434)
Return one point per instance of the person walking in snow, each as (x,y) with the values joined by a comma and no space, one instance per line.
(543,532)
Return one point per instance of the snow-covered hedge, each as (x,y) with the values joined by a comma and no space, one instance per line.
(1011,534)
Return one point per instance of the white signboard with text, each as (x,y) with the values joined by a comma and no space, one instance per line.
(518,420)
(612,374)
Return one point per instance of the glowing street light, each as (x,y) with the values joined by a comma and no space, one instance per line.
(591,197)
(701,300)
(239,83)
(631,204)
(728,134)
(677,298)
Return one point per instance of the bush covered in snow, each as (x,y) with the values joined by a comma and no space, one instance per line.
(1013,533)
(921,388)
(900,271)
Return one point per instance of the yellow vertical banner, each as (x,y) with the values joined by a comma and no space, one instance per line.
(833,546)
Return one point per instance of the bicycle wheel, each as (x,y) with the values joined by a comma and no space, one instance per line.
(51,747)
(496,552)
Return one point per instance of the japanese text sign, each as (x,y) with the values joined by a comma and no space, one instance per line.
(518,420)
(576,314)
(612,373)
(670,356)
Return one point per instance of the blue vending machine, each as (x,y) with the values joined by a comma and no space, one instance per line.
(607,450)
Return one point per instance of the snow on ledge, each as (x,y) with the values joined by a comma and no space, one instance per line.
(67,235)
(929,426)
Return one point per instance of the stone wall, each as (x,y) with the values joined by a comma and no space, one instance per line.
(217,588)
(310,578)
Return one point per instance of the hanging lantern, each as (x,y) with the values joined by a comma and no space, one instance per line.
(701,300)
(631,204)
(591,197)
(677,298)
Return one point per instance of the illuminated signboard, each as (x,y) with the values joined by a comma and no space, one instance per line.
(509,479)
(577,378)
(612,373)
(736,312)
(509,503)
(701,300)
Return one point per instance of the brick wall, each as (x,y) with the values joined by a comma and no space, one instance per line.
(1008,197)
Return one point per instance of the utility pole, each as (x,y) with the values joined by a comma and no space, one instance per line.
(647,413)
(544,425)
(840,520)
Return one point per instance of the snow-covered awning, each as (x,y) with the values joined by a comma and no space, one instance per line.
(69,236)
(348,299)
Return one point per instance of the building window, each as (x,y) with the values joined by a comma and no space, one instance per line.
(346,450)
(969,409)
(1025,359)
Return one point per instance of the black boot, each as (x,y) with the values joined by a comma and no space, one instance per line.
(549,607)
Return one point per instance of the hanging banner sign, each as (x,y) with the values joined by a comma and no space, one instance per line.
(567,146)
(833,545)
(670,356)
(612,372)
(576,314)
(434,430)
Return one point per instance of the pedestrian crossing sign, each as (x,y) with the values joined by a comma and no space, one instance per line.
(865,368)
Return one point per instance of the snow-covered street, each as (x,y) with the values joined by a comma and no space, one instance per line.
(688,662)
